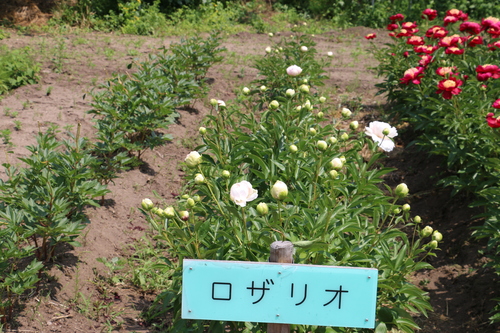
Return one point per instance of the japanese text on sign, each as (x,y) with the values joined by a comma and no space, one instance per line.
(279,293)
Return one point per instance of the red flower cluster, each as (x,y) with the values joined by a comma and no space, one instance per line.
(487,71)
(454,15)
(412,75)
(492,121)
(397,18)
(415,40)
(436,32)
(472,28)
(371,36)
(475,41)
(494,46)
(449,87)
(427,49)
(492,26)
(426,60)
(446,71)
(454,50)
(496,104)
(429,14)
(450,41)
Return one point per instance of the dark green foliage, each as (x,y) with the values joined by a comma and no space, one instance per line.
(17,68)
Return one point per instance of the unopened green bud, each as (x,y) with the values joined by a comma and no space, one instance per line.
(293,148)
(321,145)
(322,99)
(185,196)
(344,137)
(312,131)
(332,140)
(226,174)
(290,92)
(270,34)
(263,88)
(402,190)
(426,232)
(155,210)
(386,131)
(158,211)
(196,198)
(298,108)
(262,209)
(202,130)
(305,80)
(199,179)
(396,211)
(343,159)
(417,219)
(274,105)
(213,102)
(190,202)
(437,236)
(336,164)
(406,208)
(307,105)
(169,212)
(346,113)
(268,49)
(193,159)
(354,125)
(279,191)
(320,115)
(184,215)
(304,88)
(433,244)
(246,90)
(333,174)
(147,204)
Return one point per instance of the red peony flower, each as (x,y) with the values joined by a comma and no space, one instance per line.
(415,40)
(454,50)
(371,36)
(487,71)
(494,30)
(412,75)
(472,28)
(492,121)
(427,49)
(494,46)
(449,41)
(406,33)
(396,18)
(458,14)
(446,71)
(496,104)
(409,25)
(392,26)
(429,14)
(449,87)
(406,54)
(436,32)
(475,41)
(426,60)
(449,19)
(488,22)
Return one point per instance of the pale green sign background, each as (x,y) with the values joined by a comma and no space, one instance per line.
(279,293)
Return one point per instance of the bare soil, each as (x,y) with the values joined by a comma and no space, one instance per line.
(459,287)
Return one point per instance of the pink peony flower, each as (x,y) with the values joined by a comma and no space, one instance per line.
(429,14)
(412,75)
(294,70)
(449,87)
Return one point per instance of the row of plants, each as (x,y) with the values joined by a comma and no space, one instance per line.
(43,202)
(130,110)
(441,76)
(277,164)
(17,68)
(146,17)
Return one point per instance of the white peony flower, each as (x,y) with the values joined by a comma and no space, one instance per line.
(242,192)
(279,191)
(376,130)
(294,70)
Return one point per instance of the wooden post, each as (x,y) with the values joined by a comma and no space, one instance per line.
(281,251)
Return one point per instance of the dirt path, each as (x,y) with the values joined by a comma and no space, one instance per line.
(73,65)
